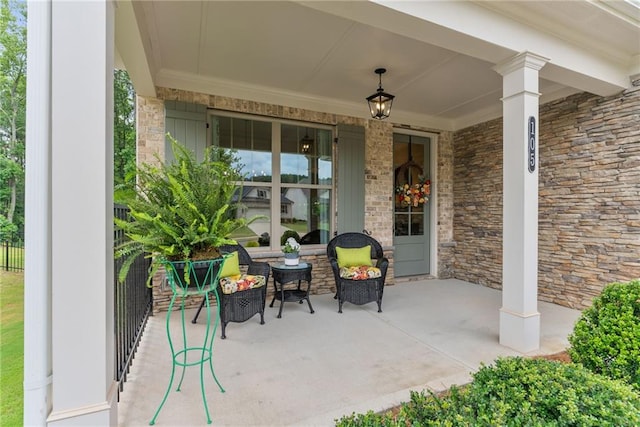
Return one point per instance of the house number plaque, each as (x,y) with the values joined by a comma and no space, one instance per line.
(531,144)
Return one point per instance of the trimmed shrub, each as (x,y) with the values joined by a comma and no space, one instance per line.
(606,338)
(287,234)
(252,244)
(519,392)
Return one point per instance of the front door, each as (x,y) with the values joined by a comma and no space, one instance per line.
(412,201)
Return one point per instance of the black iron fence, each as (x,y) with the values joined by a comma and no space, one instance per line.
(12,256)
(133,304)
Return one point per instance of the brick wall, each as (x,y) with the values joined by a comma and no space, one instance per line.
(150,129)
(444,197)
(378,216)
(378,171)
(589,198)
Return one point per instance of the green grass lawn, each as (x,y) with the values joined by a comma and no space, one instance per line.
(11,347)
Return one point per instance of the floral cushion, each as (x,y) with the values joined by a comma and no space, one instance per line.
(362,272)
(241,282)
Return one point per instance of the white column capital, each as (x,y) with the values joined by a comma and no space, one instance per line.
(522,60)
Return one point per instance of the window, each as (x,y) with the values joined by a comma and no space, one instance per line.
(285,159)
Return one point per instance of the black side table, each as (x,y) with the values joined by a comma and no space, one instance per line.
(283,274)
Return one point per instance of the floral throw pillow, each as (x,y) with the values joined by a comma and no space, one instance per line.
(241,282)
(362,272)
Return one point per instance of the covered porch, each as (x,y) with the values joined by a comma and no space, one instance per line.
(309,369)
(478,92)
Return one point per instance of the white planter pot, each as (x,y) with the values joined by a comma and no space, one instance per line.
(291,259)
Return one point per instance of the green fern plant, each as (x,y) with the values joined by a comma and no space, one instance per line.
(183,210)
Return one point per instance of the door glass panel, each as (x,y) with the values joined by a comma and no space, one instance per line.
(410,193)
(402,225)
(417,225)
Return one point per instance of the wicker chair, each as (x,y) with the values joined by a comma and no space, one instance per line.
(241,306)
(358,291)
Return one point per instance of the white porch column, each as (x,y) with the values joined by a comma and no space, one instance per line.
(37,276)
(519,316)
(81,182)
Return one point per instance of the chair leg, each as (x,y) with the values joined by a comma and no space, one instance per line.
(224,326)
(195,318)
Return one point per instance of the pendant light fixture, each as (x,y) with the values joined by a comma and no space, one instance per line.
(306,143)
(380,102)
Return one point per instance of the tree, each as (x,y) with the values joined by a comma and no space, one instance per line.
(124,131)
(13,68)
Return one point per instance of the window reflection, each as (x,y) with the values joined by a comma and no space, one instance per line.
(300,198)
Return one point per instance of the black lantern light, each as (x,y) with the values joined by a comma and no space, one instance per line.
(380,102)
(306,143)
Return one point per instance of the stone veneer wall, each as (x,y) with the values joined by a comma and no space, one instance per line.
(589,221)
(589,198)
(477,204)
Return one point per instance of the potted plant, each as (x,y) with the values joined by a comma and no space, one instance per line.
(182,211)
(291,251)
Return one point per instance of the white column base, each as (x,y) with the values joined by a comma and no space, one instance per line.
(520,332)
(100,414)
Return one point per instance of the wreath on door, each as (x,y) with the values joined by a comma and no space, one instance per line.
(412,194)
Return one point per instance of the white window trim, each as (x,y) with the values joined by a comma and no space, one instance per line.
(276,186)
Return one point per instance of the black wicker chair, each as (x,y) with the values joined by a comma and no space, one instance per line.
(358,291)
(241,306)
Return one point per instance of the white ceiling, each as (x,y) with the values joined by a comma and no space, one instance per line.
(322,55)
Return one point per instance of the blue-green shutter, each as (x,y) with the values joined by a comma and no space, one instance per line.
(350,159)
(187,123)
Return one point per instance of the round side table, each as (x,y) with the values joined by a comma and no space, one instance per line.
(283,274)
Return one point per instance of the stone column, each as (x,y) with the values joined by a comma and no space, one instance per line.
(519,316)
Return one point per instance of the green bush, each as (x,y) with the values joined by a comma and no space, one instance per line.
(519,392)
(252,244)
(606,338)
(287,234)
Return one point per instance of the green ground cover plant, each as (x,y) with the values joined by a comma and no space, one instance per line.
(606,338)
(517,391)
(12,347)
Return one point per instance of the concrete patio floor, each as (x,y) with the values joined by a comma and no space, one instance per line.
(310,369)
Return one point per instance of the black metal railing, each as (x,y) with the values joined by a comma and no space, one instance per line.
(12,255)
(133,305)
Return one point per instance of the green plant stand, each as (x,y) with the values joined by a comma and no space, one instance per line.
(203,280)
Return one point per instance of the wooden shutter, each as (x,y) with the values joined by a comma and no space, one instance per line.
(187,123)
(350,159)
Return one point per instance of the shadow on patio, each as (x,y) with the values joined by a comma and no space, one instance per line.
(309,369)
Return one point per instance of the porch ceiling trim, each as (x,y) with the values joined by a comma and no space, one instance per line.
(130,49)
(234,89)
(474,30)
